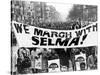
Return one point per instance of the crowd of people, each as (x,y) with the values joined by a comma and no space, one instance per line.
(27,57)
(20,13)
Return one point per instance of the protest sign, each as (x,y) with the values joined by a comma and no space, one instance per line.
(54,65)
(38,64)
(80,58)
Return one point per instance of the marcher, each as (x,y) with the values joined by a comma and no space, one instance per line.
(23,61)
(33,56)
(92,60)
(45,56)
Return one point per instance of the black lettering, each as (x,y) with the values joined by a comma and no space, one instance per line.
(61,34)
(43,41)
(79,33)
(95,28)
(88,28)
(35,40)
(68,35)
(18,27)
(62,43)
(46,33)
(26,29)
(84,31)
(50,42)
(54,34)
(74,41)
(38,32)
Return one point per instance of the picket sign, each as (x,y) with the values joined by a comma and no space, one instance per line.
(78,61)
(54,65)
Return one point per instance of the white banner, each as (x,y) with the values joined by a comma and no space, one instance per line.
(54,65)
(31,36)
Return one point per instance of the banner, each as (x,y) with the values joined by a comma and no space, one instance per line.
(54,65)
(31,36)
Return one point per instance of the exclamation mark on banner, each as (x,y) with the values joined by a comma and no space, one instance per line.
(83,38)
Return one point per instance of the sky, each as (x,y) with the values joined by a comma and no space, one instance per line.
(63,9)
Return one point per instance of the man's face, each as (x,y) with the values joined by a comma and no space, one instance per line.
(24,53)
(82,67)
(93,52)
